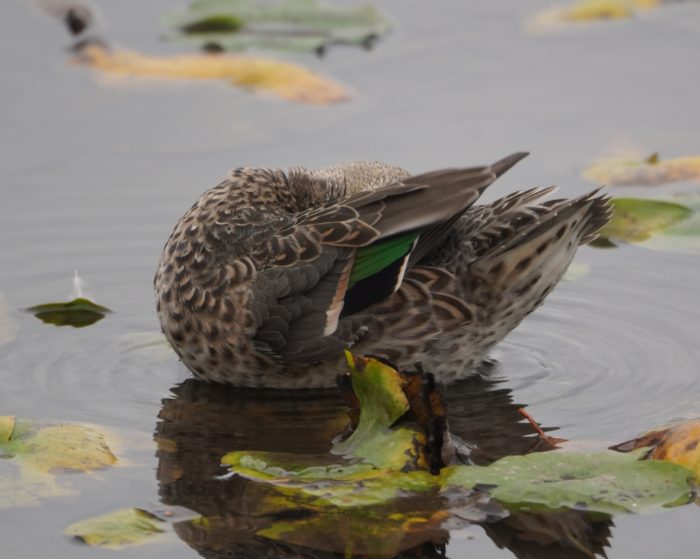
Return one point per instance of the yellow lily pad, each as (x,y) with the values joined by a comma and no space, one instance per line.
(651,171)
(593,10)
(118,529)
(282,79)
(7,425)
(587,11)
(34,455)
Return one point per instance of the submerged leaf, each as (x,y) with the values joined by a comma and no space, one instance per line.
(297,25)
(77,313)
(34,454)
(282,79)
(679,444)
(118,529)
(597,482)
(644,172)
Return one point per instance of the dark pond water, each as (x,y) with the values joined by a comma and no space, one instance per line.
(95,174)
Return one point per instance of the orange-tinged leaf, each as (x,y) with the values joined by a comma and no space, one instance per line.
(679,444)
(282,79)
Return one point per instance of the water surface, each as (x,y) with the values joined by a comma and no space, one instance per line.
(94,175)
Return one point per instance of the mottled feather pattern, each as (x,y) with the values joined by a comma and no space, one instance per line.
(255,287)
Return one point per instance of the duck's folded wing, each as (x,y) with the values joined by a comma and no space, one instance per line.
(338,260)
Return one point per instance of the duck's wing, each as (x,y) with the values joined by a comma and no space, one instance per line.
(339,260)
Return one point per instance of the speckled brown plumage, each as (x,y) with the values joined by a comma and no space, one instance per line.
(271,274)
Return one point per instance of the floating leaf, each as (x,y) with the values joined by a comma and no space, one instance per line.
(76,313)
(637,219)
(296,25)
(586,11)
(35,454)
(597,482)
(7,425)
(678,443)
(592,10)
(656,224)
(645,172)
(118,529)
(282,79)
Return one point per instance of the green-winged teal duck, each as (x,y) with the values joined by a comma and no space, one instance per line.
(271,274)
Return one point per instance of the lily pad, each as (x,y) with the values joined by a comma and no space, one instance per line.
(597,482)
(589,11)
(658,224)
(651,171)
(77,313)
(7,426)
(291,25)
(281,79)
(593,10)
(35,454)
(118,529)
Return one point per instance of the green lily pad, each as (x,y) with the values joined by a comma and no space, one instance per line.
(379,388)
(34,455)
(659,224)
(290,25)
(604,482)
(382,479)
(77,313)
(118,529)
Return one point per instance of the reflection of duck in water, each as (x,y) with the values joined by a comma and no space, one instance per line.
(272,273)
(202,422)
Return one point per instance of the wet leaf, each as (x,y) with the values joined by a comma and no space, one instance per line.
(77,313)
(7,425)
(678,443)
(379,389)
(597,482)
(644,172)
(637,219)
(592,10)
(657,224)
(118,529)
(35,454)
(587,11)
(292,25)
(282,79)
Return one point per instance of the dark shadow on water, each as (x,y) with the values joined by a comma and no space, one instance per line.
(202,422)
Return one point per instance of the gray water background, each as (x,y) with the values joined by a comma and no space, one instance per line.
(93,176)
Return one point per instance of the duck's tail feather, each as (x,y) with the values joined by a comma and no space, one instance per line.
(513,276)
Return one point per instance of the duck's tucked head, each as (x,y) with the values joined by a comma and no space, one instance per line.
(349,177)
